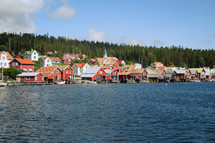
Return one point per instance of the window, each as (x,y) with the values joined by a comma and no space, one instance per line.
(47,60)
(34,57)
(114,73)
(58,76)
(27,77)
(66,72)
(30,70)
(3,58)
(17,64)
(13,64)
(5,64)
(69,62)
(34,53)
(70,72)
(100,72)
(56,71)
(35,78)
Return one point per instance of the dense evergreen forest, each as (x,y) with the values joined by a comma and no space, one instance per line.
(173,55)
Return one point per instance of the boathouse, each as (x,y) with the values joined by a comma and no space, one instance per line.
(51,73)
(94,74)
(66,72)
(30,77)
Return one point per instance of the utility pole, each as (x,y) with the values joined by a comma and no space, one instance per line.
(2,73)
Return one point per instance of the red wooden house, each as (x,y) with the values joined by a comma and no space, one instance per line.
(67,60)
(25,64)
(51,73)
(30,77)
(111,74)
(66,72)
(94,74)
(183,75)
(119,62)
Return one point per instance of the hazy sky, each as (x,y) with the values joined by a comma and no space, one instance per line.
(189,23)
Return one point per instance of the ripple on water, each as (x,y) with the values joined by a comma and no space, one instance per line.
(179,112)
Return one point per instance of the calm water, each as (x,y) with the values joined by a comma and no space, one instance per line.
(178,112)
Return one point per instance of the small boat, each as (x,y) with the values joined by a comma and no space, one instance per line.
(197,80)
(60,82)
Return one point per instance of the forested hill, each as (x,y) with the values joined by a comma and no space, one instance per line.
(173,55)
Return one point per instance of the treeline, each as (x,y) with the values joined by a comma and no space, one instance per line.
(174,55)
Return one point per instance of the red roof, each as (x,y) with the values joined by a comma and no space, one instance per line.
(80,65)
(56,59)
(25,61)
(119,61)
(9,57)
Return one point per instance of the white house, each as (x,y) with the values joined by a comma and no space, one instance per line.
(45,62)
(49,61)
(80,68)
(32,55)
(5,59)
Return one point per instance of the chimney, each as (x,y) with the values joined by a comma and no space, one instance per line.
(32,49)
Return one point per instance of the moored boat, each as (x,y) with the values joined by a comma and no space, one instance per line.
(60,82)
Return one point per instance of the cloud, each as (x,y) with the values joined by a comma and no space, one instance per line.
(158,43)
(134,41)
(93,35)
(63,12)
(15,15)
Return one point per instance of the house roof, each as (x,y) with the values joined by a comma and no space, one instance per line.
(136,71)
(119,61)
(169,73)
(161,67)
(55,59)
(106,67)
(47,71)
(65,57)
(199,70)
(109,60)
(180,71)
(25,61)
(9,57)
(80,65)
(109,71)
(157,63)
(90,72)
(124,73)
(93,59)
(29,74)
(152,71)
(117,68)
(29,52)
(63,67)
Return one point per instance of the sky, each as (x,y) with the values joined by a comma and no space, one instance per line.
(188,23)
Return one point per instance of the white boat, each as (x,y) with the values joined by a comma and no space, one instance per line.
(60,82)
(197,80)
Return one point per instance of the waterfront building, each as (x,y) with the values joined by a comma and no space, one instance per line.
(30,77)
(66,72)
(94,74)
(111,74)
(51,73)
(80,68)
